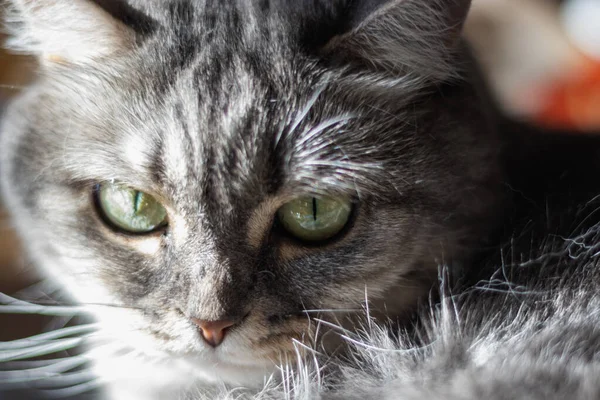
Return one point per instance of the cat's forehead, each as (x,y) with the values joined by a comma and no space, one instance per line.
(219,95)
(215,125)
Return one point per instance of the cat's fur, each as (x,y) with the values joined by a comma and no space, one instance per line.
(225,111)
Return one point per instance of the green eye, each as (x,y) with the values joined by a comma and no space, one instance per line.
(131,210)
(315,219)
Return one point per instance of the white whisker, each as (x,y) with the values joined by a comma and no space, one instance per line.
(371,347)
(334,326)
(32,309)
(46,381)
(367,310)
(332,310)
(73,391)
(49,366)
(46,337)
(41,350)
(305,347)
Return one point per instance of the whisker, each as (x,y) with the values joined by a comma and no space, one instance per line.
(47,381)
(6,299)
(73,391)
(37,291)
(367,308)
(41,350)
(361,344)
(43,310)
(57,365)
(24,349)
(45,337)
(30,364)
(305,347)
(333,310)
(59,304)
(11,305)
(371,347)
(334,326)
(317,332)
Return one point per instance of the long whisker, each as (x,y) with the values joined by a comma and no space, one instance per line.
(334,326)
(42,289)
(367,308)
(41,350)
(305,347)
(33,364)
(62,376)
(332,310)
(48,381)
(33,309)
(375,348)
(11,305)
(35,368)
(44,337)
(80,305)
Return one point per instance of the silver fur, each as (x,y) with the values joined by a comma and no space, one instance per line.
(227,110)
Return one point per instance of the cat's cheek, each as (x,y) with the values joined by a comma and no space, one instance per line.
(72,266)
(395,262)
(149,336)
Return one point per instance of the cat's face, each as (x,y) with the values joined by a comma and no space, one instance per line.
(230,121)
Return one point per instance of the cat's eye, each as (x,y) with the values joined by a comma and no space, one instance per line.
(129,209)
(315,219)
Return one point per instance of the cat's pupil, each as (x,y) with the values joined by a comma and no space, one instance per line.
(139,196)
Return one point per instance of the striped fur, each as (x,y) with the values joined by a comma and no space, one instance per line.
(224,111)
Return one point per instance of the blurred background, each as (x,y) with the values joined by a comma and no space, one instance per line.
(543,62)
(542,58)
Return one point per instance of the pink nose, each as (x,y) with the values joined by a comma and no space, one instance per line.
(213,332)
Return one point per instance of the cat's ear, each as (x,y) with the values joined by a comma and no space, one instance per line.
(416,35)
(65,31)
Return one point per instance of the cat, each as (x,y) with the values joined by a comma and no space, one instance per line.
(229,185)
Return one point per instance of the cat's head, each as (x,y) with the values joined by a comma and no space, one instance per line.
(226,168)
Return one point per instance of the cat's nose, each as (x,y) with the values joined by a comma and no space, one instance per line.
(213,332)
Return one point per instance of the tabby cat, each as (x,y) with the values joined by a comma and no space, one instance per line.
(231,185)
